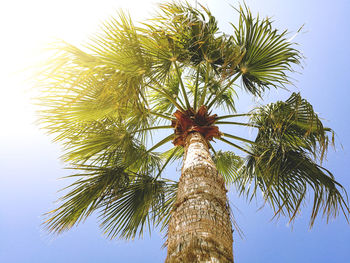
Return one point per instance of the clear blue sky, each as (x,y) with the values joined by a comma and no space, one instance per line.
(29,161)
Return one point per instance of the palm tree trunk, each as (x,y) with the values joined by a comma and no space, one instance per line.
(199,229)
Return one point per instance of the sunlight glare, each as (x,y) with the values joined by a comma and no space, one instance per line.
(30,26)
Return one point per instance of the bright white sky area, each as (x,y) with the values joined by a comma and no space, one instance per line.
(30,165)
(27,28)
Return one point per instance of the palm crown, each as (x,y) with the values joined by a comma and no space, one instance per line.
(106,101)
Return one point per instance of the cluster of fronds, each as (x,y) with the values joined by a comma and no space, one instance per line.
(104,102)
(282,161)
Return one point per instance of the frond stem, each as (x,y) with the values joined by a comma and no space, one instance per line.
(196,90)
(211,147)
(210,96)
(235,145)
(161,115)
(232,116)
(223,90)
(144,99)
(167,161)
(160,143)
(205,85)
(154,128)
(238,138)
(237,123)
(169,97)
(182,86)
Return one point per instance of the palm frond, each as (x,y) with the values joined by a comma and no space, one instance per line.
(144,203)
(228,165)
(121,44)
(292,124)
(268,53)
(291,138)
(126,202)
(286,179)
(192,38)
(99,142)
(86,195)
(171,155)
(224,95)
(162,104)
(80,83)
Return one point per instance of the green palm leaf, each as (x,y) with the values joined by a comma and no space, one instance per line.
(163,104)
(229,165)
(268,53)
(86,195)
(292,124)
(144,203)
(287,178)
(126,202)
(290,133)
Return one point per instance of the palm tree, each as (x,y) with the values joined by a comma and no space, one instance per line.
(117,103)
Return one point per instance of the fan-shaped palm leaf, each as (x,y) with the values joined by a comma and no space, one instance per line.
(290,133)
(125,201)
(268,53)
(229,165)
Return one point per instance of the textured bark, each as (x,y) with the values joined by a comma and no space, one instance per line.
(199,229)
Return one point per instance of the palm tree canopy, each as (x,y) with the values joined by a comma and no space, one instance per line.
(105,101)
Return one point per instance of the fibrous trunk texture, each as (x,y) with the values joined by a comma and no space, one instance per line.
(199,229)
